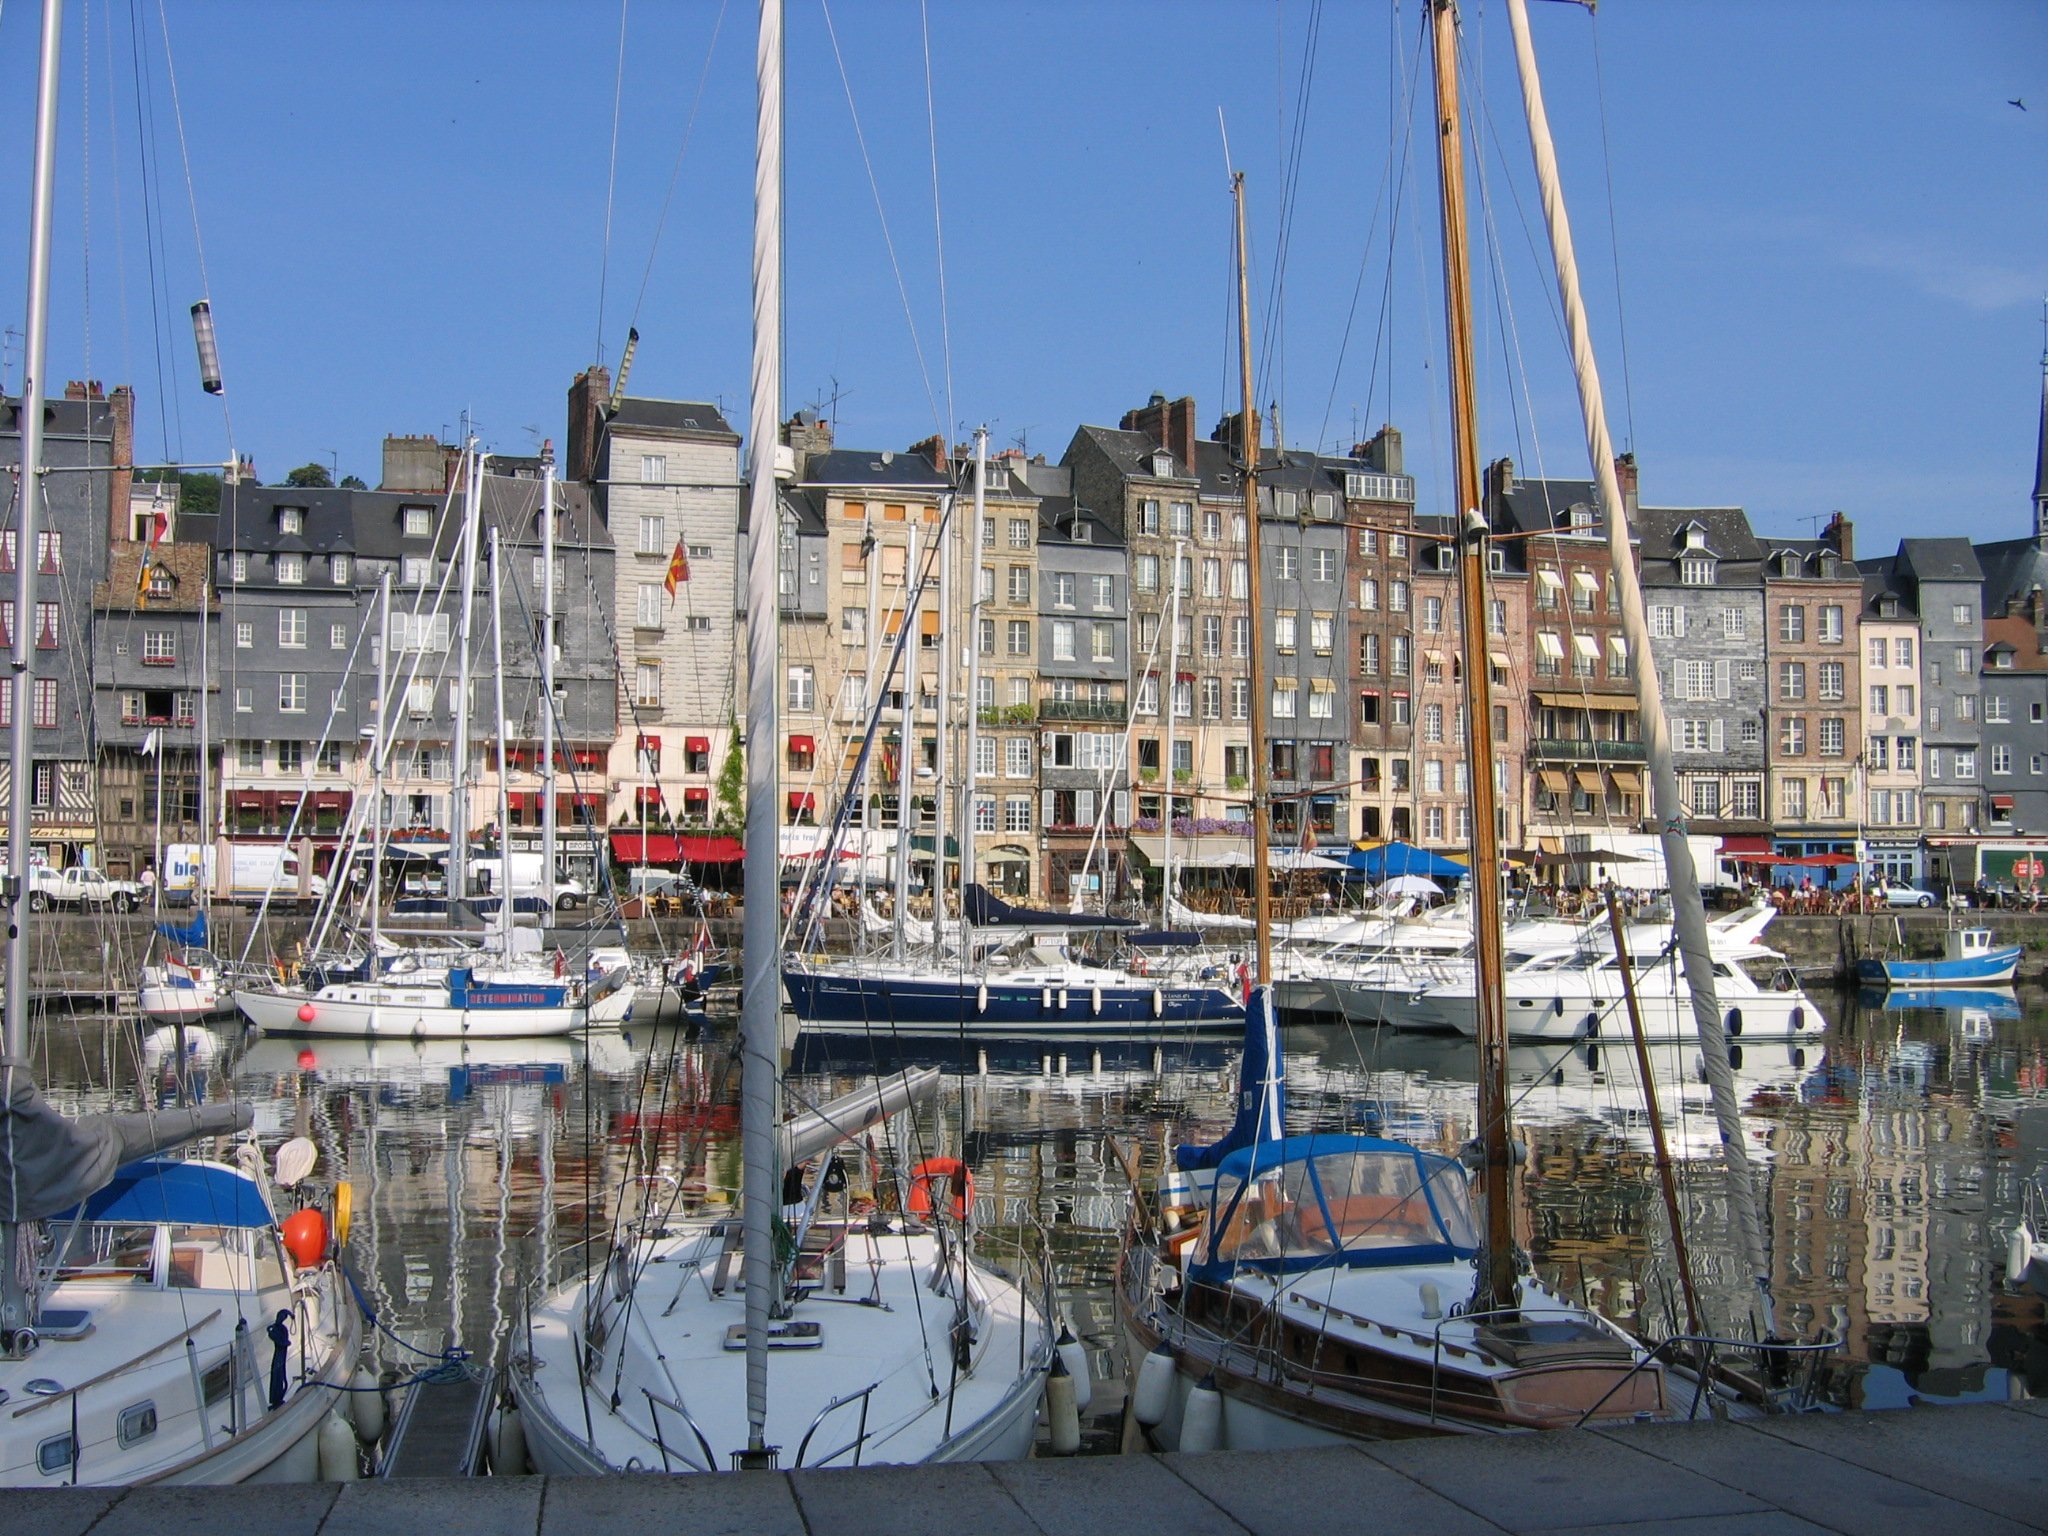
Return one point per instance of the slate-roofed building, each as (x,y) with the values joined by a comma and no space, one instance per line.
(1703,587)
(2015,699)
(1945,584)
(1889,637)
(1379,575)
(1813,592)
(88,446)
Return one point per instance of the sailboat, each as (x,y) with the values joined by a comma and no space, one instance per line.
(895,1343)
(136,1287)
(454,989)
(1301,1289)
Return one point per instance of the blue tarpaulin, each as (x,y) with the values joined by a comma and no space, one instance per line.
(191,936)
(195,1194)
(1392,859)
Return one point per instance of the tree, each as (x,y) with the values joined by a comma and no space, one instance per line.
(310,477)
(732,784)
(353,483)
(199,492)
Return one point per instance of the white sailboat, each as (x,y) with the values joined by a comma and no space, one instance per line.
(136,1287)
(658,1357)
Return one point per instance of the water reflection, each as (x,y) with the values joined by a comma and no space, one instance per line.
(1894,1160)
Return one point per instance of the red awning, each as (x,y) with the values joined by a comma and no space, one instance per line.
(653,848)
(711,850)
(1827,860)
(331,799)
(802,744)
(643,741)
(2001,802)
(1737,847)
(650,794)
(802,802)
(696,743)
(697,796)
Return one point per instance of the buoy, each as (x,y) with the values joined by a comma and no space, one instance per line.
(1155,1387)
(945,1177)
(305,1237)
(366,1406)
(508,1443)
(307,1060)
(1201,1422)
(1061,1417)
(1074,1354)
(307,1013)
(344,1211)
(2019,1249)
(338,1463)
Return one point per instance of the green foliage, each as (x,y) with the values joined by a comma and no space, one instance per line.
(353,483)
(310,477)
(732,785)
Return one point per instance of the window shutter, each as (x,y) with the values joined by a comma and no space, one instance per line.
(1084,807)
(1716,733)
(1678,621)
(1722,688)
(1045,807)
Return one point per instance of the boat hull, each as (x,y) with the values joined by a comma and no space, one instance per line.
(423,1012)
(1072,1005)
(1994,969)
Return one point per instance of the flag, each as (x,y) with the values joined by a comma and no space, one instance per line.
(151,742)
(159,530)
(678,570)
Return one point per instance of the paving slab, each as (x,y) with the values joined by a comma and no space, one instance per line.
(276,1509)
(1564,1478)
(1769,1523)
(57,1511)
(1842,1496)
(442,1506)
(1325,1492)
(1110,1496)
(705,1504)
(1983,1455)
(940,1500)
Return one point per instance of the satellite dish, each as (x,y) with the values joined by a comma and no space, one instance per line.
(295,1159)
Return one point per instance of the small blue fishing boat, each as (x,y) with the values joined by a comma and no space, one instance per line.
(1970,957)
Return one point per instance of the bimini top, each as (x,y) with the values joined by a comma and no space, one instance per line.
(1357,1201)
(181,1193)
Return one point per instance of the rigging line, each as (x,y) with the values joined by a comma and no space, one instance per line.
(191,199)
(881,214)
(675,171)
(611,180)
(156,323)
(1396,172)
(931,128)
(1614,240)
(1273,341)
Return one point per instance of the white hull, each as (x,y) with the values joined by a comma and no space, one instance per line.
(1566,1018)
(359,1011)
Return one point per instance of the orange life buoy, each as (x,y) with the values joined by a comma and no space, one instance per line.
(935,1171)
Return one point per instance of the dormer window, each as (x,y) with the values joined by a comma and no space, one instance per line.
(1162,465)
(1082,533)
(1695,536)
(291,519)
(160,583)
(418,522)
(1581,519)
(1788,563)
(1887,607)
(1696,571)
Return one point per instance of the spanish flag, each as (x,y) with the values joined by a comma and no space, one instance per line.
(678,570)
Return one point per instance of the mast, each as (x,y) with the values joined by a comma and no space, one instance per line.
(503,809)
(1689,918)
(1248,443)
(948,536)
(201,757)
(969,773)
(1166,751)
(458,797)
(761,984)
(14,1298)
(906,650)
(377,757)
(1495,1287)
(549,837)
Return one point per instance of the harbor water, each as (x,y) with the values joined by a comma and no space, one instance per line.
(1895,1154)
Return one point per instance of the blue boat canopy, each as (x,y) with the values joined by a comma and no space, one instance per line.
(1390,860)
(184,1194)
(1307,1202)
(985,909)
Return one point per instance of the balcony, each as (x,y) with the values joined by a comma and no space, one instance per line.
(1559,749)
(1082,710)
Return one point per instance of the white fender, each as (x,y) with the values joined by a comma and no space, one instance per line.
(1201,1422)
(1158,1004)
(2019,1249)
(1155,1387)
(338,1462)
(1061,1417)
(366,1406)
(981,998)
(1095,1000)
(508,1443)
(1045,998)
(1063,999)
(1074,1355)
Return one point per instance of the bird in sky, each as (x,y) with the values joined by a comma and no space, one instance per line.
(2016,102)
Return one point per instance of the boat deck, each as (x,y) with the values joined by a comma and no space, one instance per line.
(1982,1468)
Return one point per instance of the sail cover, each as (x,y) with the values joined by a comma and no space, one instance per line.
(191,936)
(1261,1090)
(985,909)
(49,1161)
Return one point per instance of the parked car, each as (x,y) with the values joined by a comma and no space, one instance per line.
(1896,893)
(80,886)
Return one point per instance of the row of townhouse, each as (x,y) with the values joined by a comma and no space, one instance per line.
(1095,678)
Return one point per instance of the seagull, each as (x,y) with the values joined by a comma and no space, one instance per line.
(2016,102)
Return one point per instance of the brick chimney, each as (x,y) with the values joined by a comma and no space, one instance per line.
(1840,535)
(1625,476)
(413,462)
(932,450)
(1170,424)
(588,393)
(1230,432)
(1382,452)
(807,433)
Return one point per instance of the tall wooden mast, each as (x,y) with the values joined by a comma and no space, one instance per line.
(1496,1288)
(1248,444)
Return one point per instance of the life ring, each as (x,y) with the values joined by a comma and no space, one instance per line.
(934,1171)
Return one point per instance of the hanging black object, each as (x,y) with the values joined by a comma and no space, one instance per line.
(280,1351)
(835,1177)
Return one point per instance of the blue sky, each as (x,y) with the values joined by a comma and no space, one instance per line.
(1832,229)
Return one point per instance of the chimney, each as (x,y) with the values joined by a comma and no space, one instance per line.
(805,434)
(121,488)
(932,450)
(1230,432)
(413,462)
(1382,452)
(588,393)
(1625,476)
(1500,479)
(1168,424)
(2037,608)
(1840,535)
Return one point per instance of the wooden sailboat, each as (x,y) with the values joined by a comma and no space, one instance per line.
(1294,1290)
(896,1344)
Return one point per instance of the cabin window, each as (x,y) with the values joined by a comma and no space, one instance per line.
(54,1454)
(219,1380)
(137,1423)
